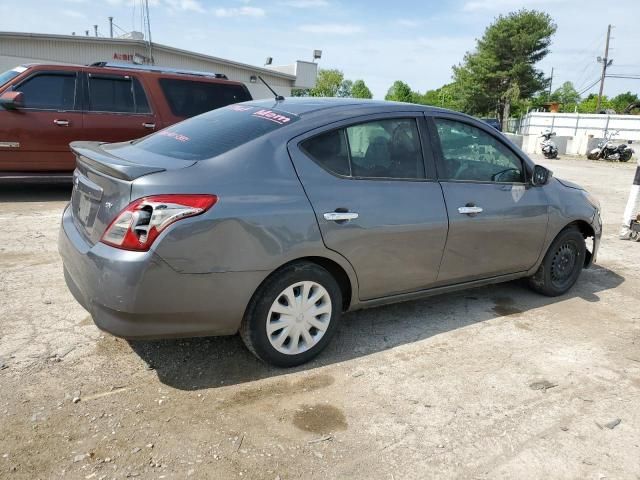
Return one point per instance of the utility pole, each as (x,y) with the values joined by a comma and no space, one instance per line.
(605,63)
(110,27)
(550,83)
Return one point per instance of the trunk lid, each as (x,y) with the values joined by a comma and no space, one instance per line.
(102,182)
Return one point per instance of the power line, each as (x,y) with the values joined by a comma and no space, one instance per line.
(589,87)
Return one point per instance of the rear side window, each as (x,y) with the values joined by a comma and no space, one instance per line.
(50,91)
(188,99)
(330,151)
(118,94)
(378,149)
(215,132)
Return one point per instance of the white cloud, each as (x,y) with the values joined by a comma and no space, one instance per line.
(501,5)
(185,5)
(332,28)
(305,3)
(239,12)
(73,14)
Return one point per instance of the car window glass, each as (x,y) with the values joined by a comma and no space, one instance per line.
(329,150)
(49,91)
(470,153)
(111,94)
(386,149)
(188,98)
(142,104)
(215,132)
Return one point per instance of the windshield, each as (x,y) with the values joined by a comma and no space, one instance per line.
(215,132)
(9,74)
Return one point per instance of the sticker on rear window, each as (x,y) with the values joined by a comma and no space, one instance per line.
(273,116)
(239,108)
(176,136)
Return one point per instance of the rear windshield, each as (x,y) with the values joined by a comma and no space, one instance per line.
(9,74)
(216,132)
(188,98)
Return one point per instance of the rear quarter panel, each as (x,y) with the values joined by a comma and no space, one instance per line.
(262,219)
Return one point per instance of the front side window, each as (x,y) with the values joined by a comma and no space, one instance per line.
(378,149)
(471,154)
(49,91)
(187,98)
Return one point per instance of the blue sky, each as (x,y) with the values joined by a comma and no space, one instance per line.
(378,41)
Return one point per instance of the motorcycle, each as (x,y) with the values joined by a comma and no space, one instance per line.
(607,150)
(549,148)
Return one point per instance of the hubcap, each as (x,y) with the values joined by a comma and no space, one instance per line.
(563,263)
(299,317)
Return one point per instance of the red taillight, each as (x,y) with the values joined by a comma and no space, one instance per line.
(139,224)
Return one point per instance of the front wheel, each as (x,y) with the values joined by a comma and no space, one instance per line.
(593,155)
(293,315)
(561,265)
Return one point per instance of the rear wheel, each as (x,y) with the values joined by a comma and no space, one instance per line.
(625,156)
(561,265)
(293,315)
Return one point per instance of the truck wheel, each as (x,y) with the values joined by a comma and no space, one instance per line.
(561,265)
(293,315)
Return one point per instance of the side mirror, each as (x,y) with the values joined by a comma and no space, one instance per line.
(12,100)
(541,175)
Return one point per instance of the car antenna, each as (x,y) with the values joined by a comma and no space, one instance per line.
(278,97)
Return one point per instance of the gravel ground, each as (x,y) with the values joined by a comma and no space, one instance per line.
(496,382)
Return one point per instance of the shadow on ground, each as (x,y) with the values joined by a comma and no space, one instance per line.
(35,192)
(212,362)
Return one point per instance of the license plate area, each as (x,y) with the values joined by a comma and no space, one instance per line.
(85,201)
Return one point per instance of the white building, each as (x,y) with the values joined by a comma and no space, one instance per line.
(21,48)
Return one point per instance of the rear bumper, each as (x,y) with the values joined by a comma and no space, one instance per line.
(138,295)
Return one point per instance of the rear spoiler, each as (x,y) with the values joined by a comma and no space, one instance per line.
(96,158)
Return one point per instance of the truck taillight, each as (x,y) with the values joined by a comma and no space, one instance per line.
(139,224)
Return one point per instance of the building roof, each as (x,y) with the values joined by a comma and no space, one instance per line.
(144,44)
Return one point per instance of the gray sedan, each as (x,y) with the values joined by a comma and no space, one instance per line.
(271,218)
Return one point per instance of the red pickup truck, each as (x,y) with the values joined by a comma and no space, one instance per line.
(45,107)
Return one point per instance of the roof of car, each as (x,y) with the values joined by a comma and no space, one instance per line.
(305,105)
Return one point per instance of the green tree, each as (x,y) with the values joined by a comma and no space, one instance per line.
(567,95)
(329,83)
(501,70)
(623,100)
(400,92)
(359,89)
(589,104)
(345,89)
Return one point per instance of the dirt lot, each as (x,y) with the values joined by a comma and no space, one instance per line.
(496,382)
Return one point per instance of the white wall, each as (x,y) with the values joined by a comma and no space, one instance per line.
(579,130)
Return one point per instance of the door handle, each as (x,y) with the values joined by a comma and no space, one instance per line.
(469,210)
(61,123)
(340,216)
(149,125)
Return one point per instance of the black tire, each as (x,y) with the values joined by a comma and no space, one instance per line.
(626,156)
(593,156)
(253,329)
(561,265)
